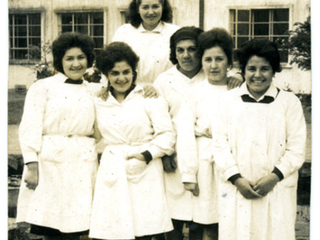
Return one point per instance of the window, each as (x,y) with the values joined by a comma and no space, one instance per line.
(90,23)
(25,36)
(272,24)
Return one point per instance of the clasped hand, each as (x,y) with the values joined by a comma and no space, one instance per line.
(258,189)
(32,176)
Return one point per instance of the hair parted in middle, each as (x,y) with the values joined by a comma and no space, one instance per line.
(184,33)
(217,37)
(117,52)
(134,18)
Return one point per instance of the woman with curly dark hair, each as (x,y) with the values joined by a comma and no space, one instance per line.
(258,147)
(148,33)
(129,200)
(57,145)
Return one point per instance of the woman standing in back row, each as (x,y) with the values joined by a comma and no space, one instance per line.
(148,33)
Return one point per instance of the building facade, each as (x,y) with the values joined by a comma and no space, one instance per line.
(33,23)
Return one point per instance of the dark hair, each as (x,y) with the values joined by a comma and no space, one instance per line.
(117,52)
(184,33)
(70,40)
(261,48)
(134,17)
(216,37)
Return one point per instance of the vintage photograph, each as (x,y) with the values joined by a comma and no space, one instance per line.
(159,119)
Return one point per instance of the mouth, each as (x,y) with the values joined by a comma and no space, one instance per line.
(258,80)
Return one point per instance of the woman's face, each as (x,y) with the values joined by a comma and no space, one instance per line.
(258,75)
(150,12)
(186,55)
(74,63)
(121,77)
(215,65)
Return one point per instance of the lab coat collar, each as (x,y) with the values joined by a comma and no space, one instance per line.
(158,28)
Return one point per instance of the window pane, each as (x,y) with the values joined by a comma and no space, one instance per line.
(280,28)
(234,42)
(261,15)
(35,41)
(81,18)
(34,18)
(235,56)
(66,29)
(233,29)
(20,31)
(261,29)
(20,19)
(81,29)
(66,19)
(243,29)
(11,31)
(97,18)
(35,31)
(243,15)
(20,42)
(232,15)
(97,31)
(281,15)
(21,54)
(10,19)
(98,42)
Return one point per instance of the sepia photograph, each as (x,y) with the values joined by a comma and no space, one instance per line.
(159,119)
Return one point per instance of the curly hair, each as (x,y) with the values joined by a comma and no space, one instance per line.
(70,40)
(117,52)
(217,37)
(135,19)
(184,33)
(261,48)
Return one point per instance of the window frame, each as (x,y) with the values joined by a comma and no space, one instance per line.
(251,24)
(72,11)
(27,12)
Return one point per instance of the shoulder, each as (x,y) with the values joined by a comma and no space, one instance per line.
(289,98)
(155,104)
(122,31)
(170,28)
(166,76)
(125,27)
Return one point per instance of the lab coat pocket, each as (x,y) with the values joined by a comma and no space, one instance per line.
(135,169)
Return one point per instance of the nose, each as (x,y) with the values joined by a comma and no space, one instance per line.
(186,54)
(76,63)
(257,73)
(150,11)
(213,64)
(121,77)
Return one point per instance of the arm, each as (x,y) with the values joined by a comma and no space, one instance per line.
(186,144)
(30,129)
(235,80)
(294,155)
(222,151)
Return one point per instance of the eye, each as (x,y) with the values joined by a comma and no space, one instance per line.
(126,72)
(145,7)
(82,57)
(251,69)
(69,58)
(114,73)
(192,49)
(180,50)
(156,6)
(265,69)
(208,59)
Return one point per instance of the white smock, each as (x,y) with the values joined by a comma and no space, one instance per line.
(252,139)
(129,199)
(57,120)
(206,98)
(177,89)
(152,47)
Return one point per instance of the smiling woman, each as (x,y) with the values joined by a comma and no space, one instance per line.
(148,33)
(58,150)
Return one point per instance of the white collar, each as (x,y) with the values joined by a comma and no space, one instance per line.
(272,91)
(157,29)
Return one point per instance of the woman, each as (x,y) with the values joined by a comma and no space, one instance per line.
(148,33)
(177,86)
(216,49)
(259,146)
(57,147)
(129,200)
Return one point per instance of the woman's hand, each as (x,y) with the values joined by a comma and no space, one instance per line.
(32,175)
(150,92)
(103,93)
(245,188)
(265,184)
(234,81)
(138,156)
(192,187)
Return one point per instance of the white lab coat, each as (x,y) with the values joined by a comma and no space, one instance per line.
(57,121)
(206,99)
(177,89)
(129,199)
(252,139)
(152,47)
